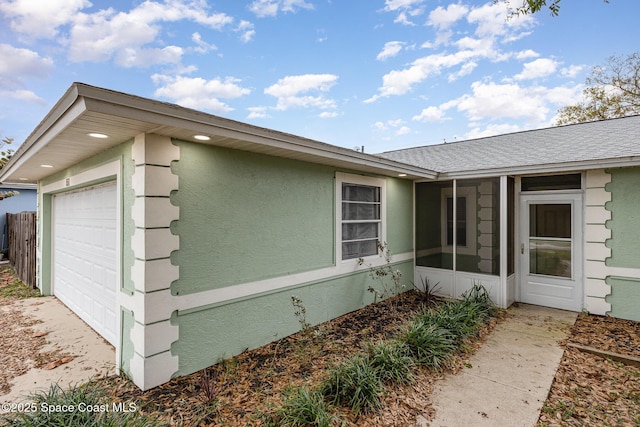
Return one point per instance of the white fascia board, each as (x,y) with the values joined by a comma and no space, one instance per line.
(42,136)
(544,168)
(38,138)
(122,105)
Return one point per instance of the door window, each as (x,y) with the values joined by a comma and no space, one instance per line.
(550,240)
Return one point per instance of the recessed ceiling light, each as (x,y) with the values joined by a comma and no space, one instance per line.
(23,179)
(98,135)
(402,174)
(201,137)
(46,166)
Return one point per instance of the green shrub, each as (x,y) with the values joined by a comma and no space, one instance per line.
(391,361)
(304,407)
(429,344)
(80,406)
(354,383)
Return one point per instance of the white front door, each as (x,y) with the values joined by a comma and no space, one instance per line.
(551,250)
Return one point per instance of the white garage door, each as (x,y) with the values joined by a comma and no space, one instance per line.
(84,255)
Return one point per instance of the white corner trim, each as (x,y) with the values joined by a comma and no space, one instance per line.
(149,372)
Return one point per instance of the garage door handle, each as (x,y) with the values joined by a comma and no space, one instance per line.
(522,248)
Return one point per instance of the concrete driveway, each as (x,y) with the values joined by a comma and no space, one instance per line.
(66,333)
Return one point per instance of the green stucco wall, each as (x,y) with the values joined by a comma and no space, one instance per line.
(207,336)
(625,241)
(246,217)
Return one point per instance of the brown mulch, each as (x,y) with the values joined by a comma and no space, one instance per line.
(21,345)
(246,386)
(592,390)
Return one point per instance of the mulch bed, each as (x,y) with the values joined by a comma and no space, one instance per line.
(236,391)
(593,390)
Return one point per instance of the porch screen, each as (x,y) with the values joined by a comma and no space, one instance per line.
(433,225)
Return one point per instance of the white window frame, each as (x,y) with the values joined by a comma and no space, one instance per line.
(359,180)
(469,193)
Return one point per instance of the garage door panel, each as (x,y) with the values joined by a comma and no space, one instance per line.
(84,255)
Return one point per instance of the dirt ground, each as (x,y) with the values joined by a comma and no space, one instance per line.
(590,390)
(587,390)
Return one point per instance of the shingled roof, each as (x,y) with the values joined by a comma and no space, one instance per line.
(606,143)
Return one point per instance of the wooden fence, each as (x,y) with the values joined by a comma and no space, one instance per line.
(21,231)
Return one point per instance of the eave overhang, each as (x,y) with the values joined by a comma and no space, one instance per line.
(61,139)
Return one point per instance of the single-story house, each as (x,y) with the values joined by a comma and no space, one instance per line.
(181,236)
(22,200)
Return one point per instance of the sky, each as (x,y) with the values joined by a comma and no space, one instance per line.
(383,74)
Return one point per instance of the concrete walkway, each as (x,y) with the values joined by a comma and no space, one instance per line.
(510,375)
(66,333)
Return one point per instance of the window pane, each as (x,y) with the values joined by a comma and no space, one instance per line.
(355,231)
(550,220)
(552,182)
(358,211)
(360,193)
(352,250)
(550,257)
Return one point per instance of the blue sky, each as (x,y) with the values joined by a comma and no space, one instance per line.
(385,74)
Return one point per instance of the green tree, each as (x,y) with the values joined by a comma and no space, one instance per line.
(529,7)
(613,90)
(5,156)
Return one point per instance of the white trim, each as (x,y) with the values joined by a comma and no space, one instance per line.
(358,180)
(230,293)
(86,179)
(504,241)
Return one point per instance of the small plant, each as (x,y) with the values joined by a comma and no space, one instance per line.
(429,344)
(86,405)
(383,274)
(391,361)
(304,407)
(208,385)
(428,291)
(300,311)
(355,383)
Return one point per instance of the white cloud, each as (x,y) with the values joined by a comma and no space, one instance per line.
(491,130)
(403,130)
(197,92)
(201,45)
(442,18)
(291,91)
(541,67)
(37,20)
(404,9)
(390,50)
(490,27)
(106,34)
(22,95)
(328,114)
(526,54)
(262,8)
(245,28)
(398,126)
(572,71)
(430,114)
(17,65)
(257,113)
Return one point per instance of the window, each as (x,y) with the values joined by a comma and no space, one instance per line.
(361,214)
